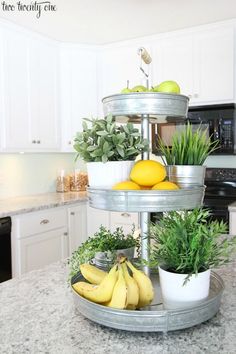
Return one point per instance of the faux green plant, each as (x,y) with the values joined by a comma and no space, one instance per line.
(188,242)
(104,141)
(188,147)
(102,241)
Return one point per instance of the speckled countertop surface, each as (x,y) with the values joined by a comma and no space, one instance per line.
(26,204)
(37,315)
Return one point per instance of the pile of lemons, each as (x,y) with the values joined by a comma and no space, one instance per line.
(147,174)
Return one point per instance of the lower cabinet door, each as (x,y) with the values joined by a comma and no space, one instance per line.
(40,250)
(126,220)
(77,226)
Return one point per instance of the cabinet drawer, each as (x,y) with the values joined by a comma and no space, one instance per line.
(38,222)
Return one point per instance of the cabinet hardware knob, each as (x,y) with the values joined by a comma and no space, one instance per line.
(126,215)
(44,221)
(33,141)
(72,213)
(69,142)
(195,95)
(38,141)
(65,234)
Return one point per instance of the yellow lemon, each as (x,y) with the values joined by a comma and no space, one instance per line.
(126,185)
(165,185)
(147,172)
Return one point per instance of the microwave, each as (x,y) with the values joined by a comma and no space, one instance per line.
(218,120)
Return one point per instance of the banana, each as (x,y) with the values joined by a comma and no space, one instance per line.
(102,292)
(81,286)
(92,274)
(119,295)
(132,289)
(146,292)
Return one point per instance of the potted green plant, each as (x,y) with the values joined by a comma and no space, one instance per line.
(186,245)
(103,247)
(186,156)
(109,150)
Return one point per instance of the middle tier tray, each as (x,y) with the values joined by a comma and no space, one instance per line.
(146,200)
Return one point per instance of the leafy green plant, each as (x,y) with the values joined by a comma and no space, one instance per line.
(188,147)
(105,141)
(187,242)
(102,241)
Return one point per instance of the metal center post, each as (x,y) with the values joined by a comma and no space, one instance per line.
(144,216)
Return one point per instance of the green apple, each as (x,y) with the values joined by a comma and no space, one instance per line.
(139,88)
(167,86)
(126,90)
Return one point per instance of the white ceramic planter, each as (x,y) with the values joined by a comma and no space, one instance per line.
(105,175)
(175,294)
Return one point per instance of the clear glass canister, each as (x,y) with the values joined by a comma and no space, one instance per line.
(62,182)
(78,181)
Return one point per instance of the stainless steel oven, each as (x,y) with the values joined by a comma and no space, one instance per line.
(218,120)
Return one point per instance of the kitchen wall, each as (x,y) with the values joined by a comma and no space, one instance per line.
(26,174)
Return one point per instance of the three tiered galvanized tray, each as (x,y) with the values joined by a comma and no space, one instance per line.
(146,107)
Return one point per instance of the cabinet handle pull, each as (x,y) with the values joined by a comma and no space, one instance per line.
(65,234)
(38,142)
(72,213)
(33,141)
(69,142)
(126,215)
(44,221)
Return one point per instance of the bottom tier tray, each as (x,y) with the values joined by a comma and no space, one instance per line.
(155,318)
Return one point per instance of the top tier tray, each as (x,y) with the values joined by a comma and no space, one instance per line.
(161,107)
(146,200)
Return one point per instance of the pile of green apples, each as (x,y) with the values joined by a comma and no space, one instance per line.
(165,86)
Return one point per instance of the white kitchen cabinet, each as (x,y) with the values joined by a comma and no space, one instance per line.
(125,220)
(96,218)
(38,239)
(40,250)
(201,61)
(30,90)
(173,60)
(78,90)
(111,220)
(44,94)
(214,65)
(77,226)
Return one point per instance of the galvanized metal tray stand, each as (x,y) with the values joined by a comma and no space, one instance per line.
(161,107)
(155,318)
(144,107)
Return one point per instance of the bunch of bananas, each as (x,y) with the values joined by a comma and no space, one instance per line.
(117,289)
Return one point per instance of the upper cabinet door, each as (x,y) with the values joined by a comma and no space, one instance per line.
(214,65)
(16,119)
(78,90)
(44,90)
(173,60)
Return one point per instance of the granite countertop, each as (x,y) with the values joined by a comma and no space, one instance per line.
(232,207)
(26,204)
(37,315)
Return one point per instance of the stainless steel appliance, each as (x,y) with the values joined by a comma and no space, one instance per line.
(218,120)
(5,249)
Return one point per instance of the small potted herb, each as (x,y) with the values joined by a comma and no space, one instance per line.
(103,247)
(186,245)
(186,156)
(109,150)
